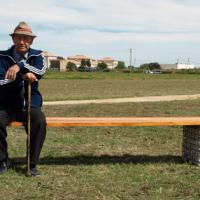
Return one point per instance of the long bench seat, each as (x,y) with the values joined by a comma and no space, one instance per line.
(118,121)
(191,128)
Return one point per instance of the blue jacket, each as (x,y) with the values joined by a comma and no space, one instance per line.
(14,93)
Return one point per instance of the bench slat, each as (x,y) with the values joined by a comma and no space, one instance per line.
(117,121)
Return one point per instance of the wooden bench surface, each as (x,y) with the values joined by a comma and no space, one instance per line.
(117,121)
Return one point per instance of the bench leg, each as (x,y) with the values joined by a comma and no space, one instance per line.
(191,144)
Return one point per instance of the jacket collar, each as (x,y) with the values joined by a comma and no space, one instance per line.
(31,52)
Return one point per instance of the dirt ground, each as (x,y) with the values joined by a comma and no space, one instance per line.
(125,100)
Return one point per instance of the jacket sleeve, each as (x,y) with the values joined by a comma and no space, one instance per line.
(3,68)
(37,66)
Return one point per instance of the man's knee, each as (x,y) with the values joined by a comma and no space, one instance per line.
(39,122)
(38,117)
(4,119)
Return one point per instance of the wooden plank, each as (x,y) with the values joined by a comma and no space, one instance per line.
(118,121)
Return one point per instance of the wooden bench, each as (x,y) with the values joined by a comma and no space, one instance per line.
(191,128)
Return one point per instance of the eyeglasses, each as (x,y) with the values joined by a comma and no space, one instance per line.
(25,38)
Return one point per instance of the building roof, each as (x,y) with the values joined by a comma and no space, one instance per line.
(79,57)
(47,54)
(168,66)
(107,59)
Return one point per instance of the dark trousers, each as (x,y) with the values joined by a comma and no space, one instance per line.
(38,131)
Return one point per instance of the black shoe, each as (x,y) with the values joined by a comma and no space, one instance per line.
(5,165)
(34,171)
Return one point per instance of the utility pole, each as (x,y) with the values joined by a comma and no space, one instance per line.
(131,50)
(131,53)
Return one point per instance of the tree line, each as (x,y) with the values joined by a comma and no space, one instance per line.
(85,65)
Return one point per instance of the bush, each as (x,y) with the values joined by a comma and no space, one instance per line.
(126,70)
(106,70)
(120,66)
(71,67)
(102,66)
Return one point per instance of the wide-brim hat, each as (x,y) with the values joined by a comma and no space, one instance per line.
(23,29)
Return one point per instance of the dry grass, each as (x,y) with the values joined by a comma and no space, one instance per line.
(114,85)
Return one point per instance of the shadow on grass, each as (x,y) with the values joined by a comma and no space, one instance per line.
(105,159)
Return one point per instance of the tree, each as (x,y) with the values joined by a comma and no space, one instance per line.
(120,65)
(88,63)
(154,65)
(85,63)
(102,66)
(150,66)
(82,66)
(71,66)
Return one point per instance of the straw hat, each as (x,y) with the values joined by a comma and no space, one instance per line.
(23,29)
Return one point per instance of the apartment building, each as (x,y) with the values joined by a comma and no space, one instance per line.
(110,62)
(176,66)
(59,63)
(55,62)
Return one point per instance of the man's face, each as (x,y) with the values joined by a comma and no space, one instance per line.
(22,43)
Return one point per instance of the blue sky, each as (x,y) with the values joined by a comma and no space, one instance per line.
(158,31)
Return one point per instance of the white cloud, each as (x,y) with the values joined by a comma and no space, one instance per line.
(66,27)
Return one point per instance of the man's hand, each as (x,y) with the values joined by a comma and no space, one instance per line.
(30,77)
(12,72)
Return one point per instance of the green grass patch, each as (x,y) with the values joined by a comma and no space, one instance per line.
(144,109)
(110,163)
(106,162)
(57,89)
(52,75)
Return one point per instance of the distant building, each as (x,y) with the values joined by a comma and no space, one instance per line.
(176,66)
(78,58)
(59,63)
(110,62)
(185,66)
(48,57)
(55,62)
(168,66)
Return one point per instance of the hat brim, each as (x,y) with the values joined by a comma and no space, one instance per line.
(23,33)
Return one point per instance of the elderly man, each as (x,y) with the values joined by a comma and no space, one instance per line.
(19,65)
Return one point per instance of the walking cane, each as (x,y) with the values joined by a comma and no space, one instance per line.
(29,129)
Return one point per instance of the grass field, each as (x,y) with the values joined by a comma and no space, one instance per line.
(108,163)
(115,85)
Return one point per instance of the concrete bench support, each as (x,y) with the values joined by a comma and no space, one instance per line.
(191,144)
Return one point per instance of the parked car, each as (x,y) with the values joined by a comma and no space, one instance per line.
(155,71)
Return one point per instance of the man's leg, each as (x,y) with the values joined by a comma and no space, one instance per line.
(38,134)
(4,120)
